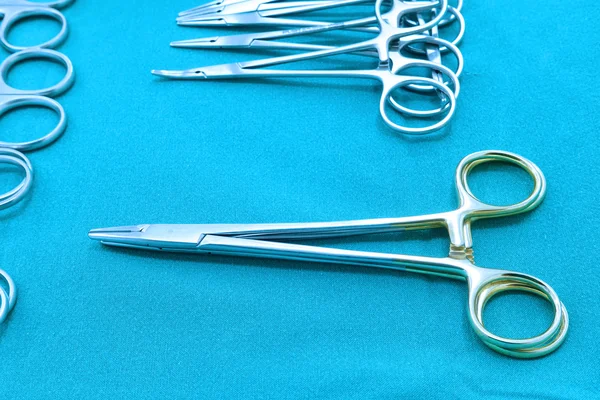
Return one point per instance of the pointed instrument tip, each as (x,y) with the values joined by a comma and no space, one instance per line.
(186,74)
(165,73)
(195,43)
(115,232)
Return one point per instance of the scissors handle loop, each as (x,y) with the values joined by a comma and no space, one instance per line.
(24,101)
(30,54)
(474,208)
(10,156)
(21,13)
(482,290)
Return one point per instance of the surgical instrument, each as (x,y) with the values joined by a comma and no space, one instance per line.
(264,39)
(12,98)
(386,73)
(237,6)
(257,18)
(264,12)
(267,241)
(263,8)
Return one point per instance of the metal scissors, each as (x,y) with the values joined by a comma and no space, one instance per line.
(390,64)
(266,241)
(13,11)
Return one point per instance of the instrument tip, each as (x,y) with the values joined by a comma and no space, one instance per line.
(163,73)
(186,74)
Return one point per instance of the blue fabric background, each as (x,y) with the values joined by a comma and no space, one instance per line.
(92,322)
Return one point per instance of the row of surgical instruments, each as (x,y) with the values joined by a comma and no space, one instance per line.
(11,98)
(269,241)
(402,38)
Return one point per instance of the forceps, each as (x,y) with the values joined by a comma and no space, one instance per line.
(269,18)
(264,12)
(386,73)
(435,45)
(265,241)
(11,98)
(263,39)
(238,6)
(13,11)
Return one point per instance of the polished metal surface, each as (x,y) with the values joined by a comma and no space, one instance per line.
(8,291)
(266,39)
(18,159)
(8,295)
(260,12)
(13,11)
(390,71)
(11,98)
(257,240)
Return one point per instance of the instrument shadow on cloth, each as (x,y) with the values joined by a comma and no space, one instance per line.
(270,241)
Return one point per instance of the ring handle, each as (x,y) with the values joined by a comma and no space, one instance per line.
(503,281)
(30,54)
(399,63)
(54,134)
(12,197)
(397,82)
(11,19)
(7,300)
(474,208)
